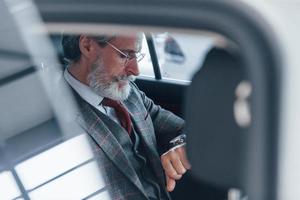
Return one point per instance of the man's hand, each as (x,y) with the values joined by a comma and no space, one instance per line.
(175,164)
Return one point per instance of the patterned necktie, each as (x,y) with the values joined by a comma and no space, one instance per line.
(121,113)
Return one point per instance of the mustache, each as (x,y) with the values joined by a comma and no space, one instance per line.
(123,78)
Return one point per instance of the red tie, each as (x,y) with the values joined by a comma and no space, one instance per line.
(121,113)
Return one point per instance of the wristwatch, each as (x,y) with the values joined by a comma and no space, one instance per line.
(175,143)
(179,140)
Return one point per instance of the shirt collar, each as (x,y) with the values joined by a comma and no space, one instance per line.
(83,90)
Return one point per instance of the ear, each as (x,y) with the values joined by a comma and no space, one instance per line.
(86,46)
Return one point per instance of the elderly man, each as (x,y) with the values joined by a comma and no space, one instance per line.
(139,146)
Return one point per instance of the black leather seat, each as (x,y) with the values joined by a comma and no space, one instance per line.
(215,141)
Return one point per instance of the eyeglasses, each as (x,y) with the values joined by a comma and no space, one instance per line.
(128,56)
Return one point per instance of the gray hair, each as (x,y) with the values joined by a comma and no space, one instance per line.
(70,45)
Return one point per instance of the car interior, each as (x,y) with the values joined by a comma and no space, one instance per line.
(229,103)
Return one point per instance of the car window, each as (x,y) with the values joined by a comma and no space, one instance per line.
(146,66)
(42,154)
(180,55)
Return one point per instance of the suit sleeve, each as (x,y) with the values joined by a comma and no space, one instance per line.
(167,125)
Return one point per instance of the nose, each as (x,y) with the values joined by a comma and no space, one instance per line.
(132,68)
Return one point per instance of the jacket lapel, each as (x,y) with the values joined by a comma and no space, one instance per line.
(95,127)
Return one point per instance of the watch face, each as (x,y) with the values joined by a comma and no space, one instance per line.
(178,140)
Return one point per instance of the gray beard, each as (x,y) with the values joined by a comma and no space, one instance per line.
(101,83)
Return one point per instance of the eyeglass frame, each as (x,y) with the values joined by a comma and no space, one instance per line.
(128,58)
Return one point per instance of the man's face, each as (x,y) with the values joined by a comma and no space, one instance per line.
(111,72)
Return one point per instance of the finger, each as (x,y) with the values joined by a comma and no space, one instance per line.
(169,170)
(170,184)
(176,163)
(183,158)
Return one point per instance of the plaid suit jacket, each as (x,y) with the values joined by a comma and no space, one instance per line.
(152,123)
